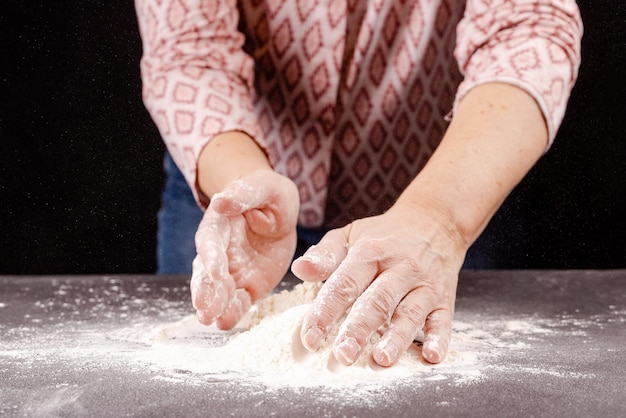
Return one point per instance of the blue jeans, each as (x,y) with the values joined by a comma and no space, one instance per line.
(178,221)
(180,215)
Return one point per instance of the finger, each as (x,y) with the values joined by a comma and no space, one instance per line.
(236,308)
(342,288)
(212,239)
(438,331)
(319,261)
(406,323)
(251,191)
(258,197)
(209,296)
(371,310)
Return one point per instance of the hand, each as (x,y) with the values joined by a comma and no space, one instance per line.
(245,243)
(400,267)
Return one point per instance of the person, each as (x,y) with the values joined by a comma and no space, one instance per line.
(332,117)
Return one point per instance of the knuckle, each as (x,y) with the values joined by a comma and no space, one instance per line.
(413,270)
(322,319)
(411,312)
(344,289)
(357,329)
(382,301)
(412,265)
(379,249)
(372,250)
(440,321)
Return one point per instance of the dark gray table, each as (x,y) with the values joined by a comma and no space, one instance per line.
(578,368)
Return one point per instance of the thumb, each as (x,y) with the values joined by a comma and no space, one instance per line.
(321,260)
(239,196)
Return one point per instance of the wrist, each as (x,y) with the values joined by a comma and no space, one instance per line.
(227,157)
(438,216)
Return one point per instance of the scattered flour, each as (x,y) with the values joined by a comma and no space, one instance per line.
(266,348)
(69,337)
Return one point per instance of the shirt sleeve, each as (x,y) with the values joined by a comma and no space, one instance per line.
(532,44)
(197,80)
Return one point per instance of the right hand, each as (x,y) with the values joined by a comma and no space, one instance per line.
(245,243)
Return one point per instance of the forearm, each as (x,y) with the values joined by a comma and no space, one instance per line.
(192,91)
(227,157)
(496,136)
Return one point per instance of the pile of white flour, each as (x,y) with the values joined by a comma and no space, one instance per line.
(266,348)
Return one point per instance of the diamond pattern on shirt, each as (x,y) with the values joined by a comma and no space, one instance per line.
(348,97)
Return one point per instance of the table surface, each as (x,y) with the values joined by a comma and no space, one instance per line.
(562,352)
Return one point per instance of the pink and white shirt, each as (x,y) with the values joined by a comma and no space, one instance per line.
(347,97)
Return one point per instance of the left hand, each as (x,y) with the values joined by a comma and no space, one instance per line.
(399,268)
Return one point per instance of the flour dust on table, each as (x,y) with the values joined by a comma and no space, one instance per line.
(265,348)
(77,335)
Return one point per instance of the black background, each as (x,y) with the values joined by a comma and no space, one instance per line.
(80,160)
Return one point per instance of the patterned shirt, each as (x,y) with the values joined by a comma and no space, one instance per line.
(347,97)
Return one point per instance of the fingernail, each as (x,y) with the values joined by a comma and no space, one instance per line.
(431,346)
(312,338)
(310,258)
(347,351)
(217,197)
(386,353)
(321,259)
